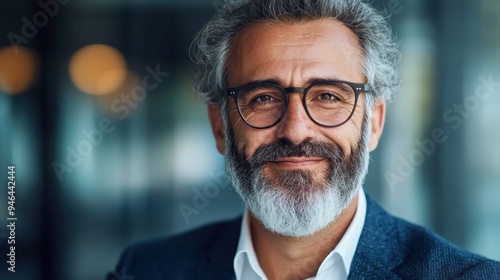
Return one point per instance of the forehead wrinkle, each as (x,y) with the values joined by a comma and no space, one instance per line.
(300,75)
(317,25)
(304,38)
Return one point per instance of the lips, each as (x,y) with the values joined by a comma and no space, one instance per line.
(296,162)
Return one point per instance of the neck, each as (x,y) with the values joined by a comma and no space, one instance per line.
(283,257)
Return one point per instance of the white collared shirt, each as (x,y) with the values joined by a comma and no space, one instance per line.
(335,266)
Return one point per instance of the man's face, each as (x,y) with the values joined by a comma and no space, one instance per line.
(293,55)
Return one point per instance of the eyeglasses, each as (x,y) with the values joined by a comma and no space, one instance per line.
(328,103)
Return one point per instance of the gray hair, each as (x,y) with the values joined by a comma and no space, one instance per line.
(211,45)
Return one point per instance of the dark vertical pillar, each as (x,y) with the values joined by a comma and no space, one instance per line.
(449,187)
(47,101)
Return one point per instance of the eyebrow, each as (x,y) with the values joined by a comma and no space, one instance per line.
(281,83)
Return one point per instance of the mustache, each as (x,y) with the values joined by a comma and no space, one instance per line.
(283,148)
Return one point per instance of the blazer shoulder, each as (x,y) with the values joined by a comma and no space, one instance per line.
(180,254)
(193,240)
(428,255)
(393,248)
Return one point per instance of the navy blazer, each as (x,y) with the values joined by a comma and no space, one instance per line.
(389,248)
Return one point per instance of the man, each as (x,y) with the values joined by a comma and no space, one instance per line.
(296,93)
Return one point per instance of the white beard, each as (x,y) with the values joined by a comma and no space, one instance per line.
(295,204)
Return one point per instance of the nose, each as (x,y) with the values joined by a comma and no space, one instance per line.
(296,126)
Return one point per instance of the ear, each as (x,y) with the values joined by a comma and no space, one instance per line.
(215,118)
(377,124)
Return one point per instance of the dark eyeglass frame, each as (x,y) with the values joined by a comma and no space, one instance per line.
(357,88)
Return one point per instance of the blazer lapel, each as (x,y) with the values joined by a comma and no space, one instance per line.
(378,251)
(219,261)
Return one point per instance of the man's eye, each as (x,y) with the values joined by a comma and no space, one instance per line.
(262,98)
(328,97)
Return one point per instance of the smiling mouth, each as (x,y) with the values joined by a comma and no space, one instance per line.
(297,162)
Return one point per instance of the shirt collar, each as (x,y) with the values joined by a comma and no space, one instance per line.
(245,261)
(246,265)
(347,245)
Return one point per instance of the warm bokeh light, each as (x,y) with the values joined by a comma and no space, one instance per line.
(98,69)
(106,101)
(17,69)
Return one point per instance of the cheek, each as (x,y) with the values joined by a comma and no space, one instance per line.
(356,129)
(343,137)
(346,136)
(250,139)
(246,137)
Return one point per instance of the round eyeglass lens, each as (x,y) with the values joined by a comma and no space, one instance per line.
(330,104)
(261,105)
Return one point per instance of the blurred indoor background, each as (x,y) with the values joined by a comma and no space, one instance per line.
(101,163)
